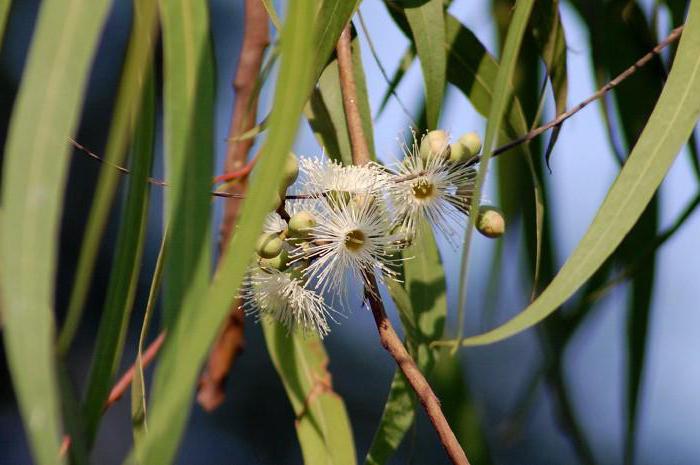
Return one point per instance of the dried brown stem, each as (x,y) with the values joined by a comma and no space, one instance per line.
(231,340)
(387,336)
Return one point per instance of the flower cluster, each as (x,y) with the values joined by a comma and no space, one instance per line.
(345,224)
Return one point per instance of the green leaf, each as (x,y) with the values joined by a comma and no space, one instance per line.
(326,114)
(4,10)
(321,421)
(667,130)
(188,102)
(332,17)
(502,97)
(199,321)
(427,23)
(34,174)
(128,100)
(123,279)
(422,306)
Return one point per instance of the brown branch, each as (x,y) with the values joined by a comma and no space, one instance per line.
(387,336)
(231,341)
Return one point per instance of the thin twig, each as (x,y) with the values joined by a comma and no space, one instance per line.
(387,336)
(230,342)
(672,37)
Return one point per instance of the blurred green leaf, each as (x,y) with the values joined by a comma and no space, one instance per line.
(270,8)
(427,22)
(123,278)
(35,166)
(202,315)
(667,130)
(188,102)
(322,424)
(4,11)
(325,111)
(140,51)
(499,106)
(422,306)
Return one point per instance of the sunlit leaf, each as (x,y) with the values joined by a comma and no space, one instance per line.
(322,424)
(427,22)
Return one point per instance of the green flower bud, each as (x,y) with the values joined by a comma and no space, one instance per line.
(490,222)
(472,142)
(278,262)
(301,224)
(459,153)
(435,143)
(269,245)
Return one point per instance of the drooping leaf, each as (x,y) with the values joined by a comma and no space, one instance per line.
(499,106)
(427,22)
(34,174)
(322,424)
(668,128)
(123,278)
(188,341)
(139,54)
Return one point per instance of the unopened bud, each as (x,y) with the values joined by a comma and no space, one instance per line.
(459,153)
(269,245)
(472,142)
(301,224)
(278,262)
(490,222)
(435,144)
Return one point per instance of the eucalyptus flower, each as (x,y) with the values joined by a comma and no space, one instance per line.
(432,189)
(350,241)
(277,295)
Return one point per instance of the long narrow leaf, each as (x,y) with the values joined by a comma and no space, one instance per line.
(502,96)
(322,424)
(667,130)
(123,278)
(34,175)
(427,23)
(138,56)
(202,315)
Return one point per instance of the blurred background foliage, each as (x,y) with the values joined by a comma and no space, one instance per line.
(610,377)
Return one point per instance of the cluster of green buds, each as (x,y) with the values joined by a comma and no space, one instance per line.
(437,144)
(465,151)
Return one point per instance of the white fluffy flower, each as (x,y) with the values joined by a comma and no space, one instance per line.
(276,295)
(350,242)
(324,175)
(434,189)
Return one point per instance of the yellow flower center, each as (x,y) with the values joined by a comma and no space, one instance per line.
(355,239)
(423,189)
